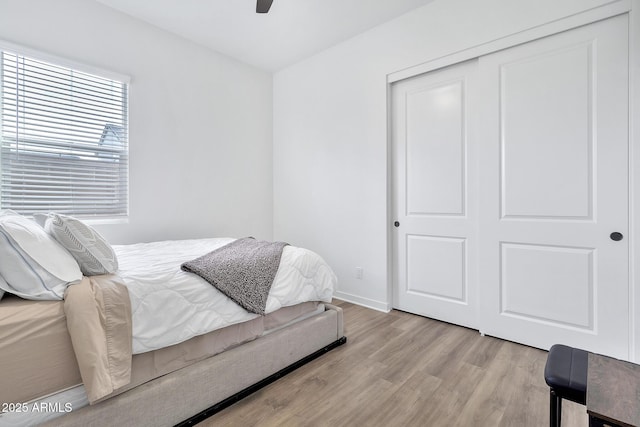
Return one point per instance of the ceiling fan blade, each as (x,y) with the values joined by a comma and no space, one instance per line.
(263,6)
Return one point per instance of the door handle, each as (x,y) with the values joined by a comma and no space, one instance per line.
(396,224)
(616,236)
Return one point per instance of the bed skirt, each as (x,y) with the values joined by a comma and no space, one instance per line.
(187,392)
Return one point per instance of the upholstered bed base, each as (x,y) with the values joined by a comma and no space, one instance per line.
(196,389)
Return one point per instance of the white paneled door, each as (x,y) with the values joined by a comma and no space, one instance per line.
(433,195)
(510,184)
(554,181)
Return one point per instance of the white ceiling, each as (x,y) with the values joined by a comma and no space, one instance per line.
(291,31)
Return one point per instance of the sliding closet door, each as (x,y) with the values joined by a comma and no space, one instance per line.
(433,188)
(553,232)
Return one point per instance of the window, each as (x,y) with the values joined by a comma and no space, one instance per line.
(64,140)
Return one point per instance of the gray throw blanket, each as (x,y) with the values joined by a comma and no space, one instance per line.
(243,270)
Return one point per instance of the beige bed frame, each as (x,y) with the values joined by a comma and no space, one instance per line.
(199,390)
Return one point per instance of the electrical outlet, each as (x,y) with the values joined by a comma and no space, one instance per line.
(359,272)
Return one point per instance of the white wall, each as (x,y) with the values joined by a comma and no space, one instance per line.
(200,123)
(330,129)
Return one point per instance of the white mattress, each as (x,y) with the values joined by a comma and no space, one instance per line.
(189,305)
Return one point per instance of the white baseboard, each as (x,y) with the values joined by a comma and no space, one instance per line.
(365,302)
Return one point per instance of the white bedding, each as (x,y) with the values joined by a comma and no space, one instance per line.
(190,306)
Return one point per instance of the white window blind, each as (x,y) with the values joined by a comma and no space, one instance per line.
(64,140)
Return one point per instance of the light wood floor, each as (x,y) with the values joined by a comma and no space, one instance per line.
(398,369)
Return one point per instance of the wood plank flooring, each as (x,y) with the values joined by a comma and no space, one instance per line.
(399,369)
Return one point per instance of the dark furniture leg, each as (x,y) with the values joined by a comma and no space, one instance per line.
(566,376)
(555,409)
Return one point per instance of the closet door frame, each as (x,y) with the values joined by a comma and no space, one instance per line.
(623,7)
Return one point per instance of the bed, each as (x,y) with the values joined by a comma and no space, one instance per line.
(148,343)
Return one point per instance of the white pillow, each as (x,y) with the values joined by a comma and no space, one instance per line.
(32,263)
(92,252)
